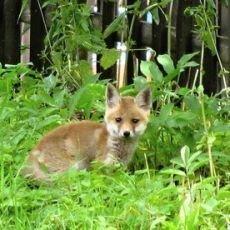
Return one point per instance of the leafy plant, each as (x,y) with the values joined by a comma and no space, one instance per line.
(180,197)
(179,178)
(71,35)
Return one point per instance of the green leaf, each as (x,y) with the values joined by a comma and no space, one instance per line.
(116,25)
(157,76)
(144,67)
(173,172)
(192,104)
(166,111)
(167,63)
(211,3)
(84,69)
(210,205)
(185,59)
(177,161)
(109,58)
(51,120)
(185,152)
(208,40)
(140,82)
(155,15)
(190,64)
(85,97)
(193,157)
(50,82)
(164,3)
(196,165)
(184,116)
(171,75)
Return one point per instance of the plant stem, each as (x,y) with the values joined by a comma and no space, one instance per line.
(131,31)
(148,8)
(169,28)
(147,166)
(44,22)
(212,167)
(201,63)
(223,71)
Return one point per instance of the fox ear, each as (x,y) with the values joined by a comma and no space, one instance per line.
(144,99)
(112,96)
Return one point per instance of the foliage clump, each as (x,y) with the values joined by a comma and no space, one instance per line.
(168,185)
(179,177)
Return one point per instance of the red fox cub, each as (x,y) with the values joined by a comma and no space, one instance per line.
(75,145)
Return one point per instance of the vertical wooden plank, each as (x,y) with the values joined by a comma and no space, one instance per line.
(224,40)
(210,77)
(210,72)
(108,14)
(184,24)
(141,34)
(82,53)
(135,36)
(159,40)
(25,35)
(37,34)
(183,29)
(1,33)
(11,10)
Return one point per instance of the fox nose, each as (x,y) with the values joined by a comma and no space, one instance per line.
(126,134)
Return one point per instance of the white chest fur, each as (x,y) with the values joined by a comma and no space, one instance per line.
(120,150)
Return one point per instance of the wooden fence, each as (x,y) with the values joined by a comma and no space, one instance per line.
(145,33)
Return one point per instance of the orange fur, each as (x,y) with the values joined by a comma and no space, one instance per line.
(75,145)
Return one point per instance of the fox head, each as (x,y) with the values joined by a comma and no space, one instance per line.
(127,117)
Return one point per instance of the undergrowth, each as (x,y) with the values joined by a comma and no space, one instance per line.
(179,177)
(169,185)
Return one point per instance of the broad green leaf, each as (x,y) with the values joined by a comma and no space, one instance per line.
(157,76)
(208,40)
(116,25)
(140,82)
(177,161)
(197,165)
(50,82)
(109,58)
(166,111)
(173,172)
(51,120)
(183,91)
(192,104)
(164,3)
(155,15)
(180,119)
(184,115)
(190,64)
(84,69)
(85,97)
(211,3)
(171,75)
(220,127)
(185,152)
(210,205)
(167,63)
(193,157)
(185,59)
(144,67)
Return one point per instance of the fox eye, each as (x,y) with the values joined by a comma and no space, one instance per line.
(135,120)
(118,119)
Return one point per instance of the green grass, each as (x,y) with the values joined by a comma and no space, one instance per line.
(182,195)
(113,199)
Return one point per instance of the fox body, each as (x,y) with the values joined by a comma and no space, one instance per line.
(75,145)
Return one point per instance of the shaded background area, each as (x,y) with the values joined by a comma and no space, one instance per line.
(22,37)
